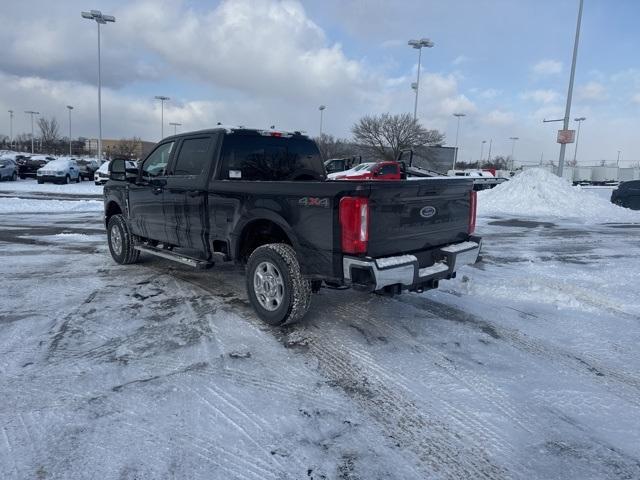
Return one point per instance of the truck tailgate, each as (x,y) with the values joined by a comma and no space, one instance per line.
(407,216)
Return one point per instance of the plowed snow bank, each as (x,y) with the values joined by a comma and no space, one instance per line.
(537,192)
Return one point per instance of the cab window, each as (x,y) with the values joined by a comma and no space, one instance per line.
(156,164)
(193,156)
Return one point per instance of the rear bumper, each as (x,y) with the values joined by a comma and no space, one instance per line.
(51,178)
(404,270)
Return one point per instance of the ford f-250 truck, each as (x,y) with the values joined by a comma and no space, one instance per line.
(261,197)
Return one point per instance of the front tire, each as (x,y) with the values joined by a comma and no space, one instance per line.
(121,241)
(67,179)
(276,289)
(14,177)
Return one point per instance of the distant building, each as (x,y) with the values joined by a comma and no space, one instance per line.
(133,147)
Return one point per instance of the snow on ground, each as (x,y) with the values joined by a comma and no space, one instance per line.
(537,192)
(31,185)
(28,205)
(526,366)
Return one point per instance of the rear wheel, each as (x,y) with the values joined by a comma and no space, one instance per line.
(277,291)
(40,182)
(14,177)
(121,241)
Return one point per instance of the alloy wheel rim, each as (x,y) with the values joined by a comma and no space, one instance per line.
(116,240)
(268,285)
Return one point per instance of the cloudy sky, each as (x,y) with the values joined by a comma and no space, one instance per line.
(504,63)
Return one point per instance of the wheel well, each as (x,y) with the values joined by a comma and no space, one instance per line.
(258,233)
(112,209)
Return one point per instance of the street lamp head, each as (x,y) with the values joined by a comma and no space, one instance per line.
(98,16)
(514,138)
(484,141)
(161,97)
(423,42)
(459,115)
(69,107)
(322,107)
(414,85)
(580,119)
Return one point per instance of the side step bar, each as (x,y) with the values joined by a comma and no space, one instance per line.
(159,252)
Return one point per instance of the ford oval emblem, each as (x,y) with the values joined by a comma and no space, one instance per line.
(427,212)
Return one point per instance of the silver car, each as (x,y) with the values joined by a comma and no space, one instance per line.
(8,169)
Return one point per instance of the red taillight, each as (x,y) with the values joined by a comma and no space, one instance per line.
(473,203)
(354,221)
(276,134)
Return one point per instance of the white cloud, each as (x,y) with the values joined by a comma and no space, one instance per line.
(541,96)
(592,91)
(547,67)
(459,60)
(636,98)
(489,93)
(499,118)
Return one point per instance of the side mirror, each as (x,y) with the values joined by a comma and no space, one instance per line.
(117,170)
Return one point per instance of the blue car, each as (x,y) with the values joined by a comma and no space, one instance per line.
(8,169)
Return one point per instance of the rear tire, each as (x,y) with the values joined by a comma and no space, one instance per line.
(40,182)
(14,177)
(121,241)
(276,289)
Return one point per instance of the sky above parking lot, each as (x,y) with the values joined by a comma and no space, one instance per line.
(264,62)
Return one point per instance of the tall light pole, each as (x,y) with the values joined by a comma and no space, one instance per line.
(490,145)
(567,111)
(10,128)
(481,151)
(419,44)
(513,148)
(618,161)
(321,108)
(32,113)
(162,99)
(575,149)
(175,126)
(69,107)
(455,155)
(100,19)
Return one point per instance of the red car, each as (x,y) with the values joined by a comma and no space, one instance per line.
(376,171)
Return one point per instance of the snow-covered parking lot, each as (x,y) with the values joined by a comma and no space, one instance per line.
(525,366)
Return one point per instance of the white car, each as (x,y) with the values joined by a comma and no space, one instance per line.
(62,170)
(102,174)
(357,168)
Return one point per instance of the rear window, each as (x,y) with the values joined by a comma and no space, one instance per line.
(193,157)
(257,157)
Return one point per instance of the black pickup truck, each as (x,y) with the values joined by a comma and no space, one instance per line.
(261,198)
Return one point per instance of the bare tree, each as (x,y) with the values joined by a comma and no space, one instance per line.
(387,135)
(128,147)
(49,132)
(331,147)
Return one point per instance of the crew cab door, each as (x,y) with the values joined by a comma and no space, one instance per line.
(387,171)
(185,193)
(146,196)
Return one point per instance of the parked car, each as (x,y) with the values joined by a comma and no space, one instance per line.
(334,165)
(357,168)
(28,166)
(259,198)
(627,195)
(88,167)
(8,169)
(102,174)
(62,170)
(374,171)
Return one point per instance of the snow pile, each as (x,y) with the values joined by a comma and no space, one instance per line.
(23,205)
(537,192)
